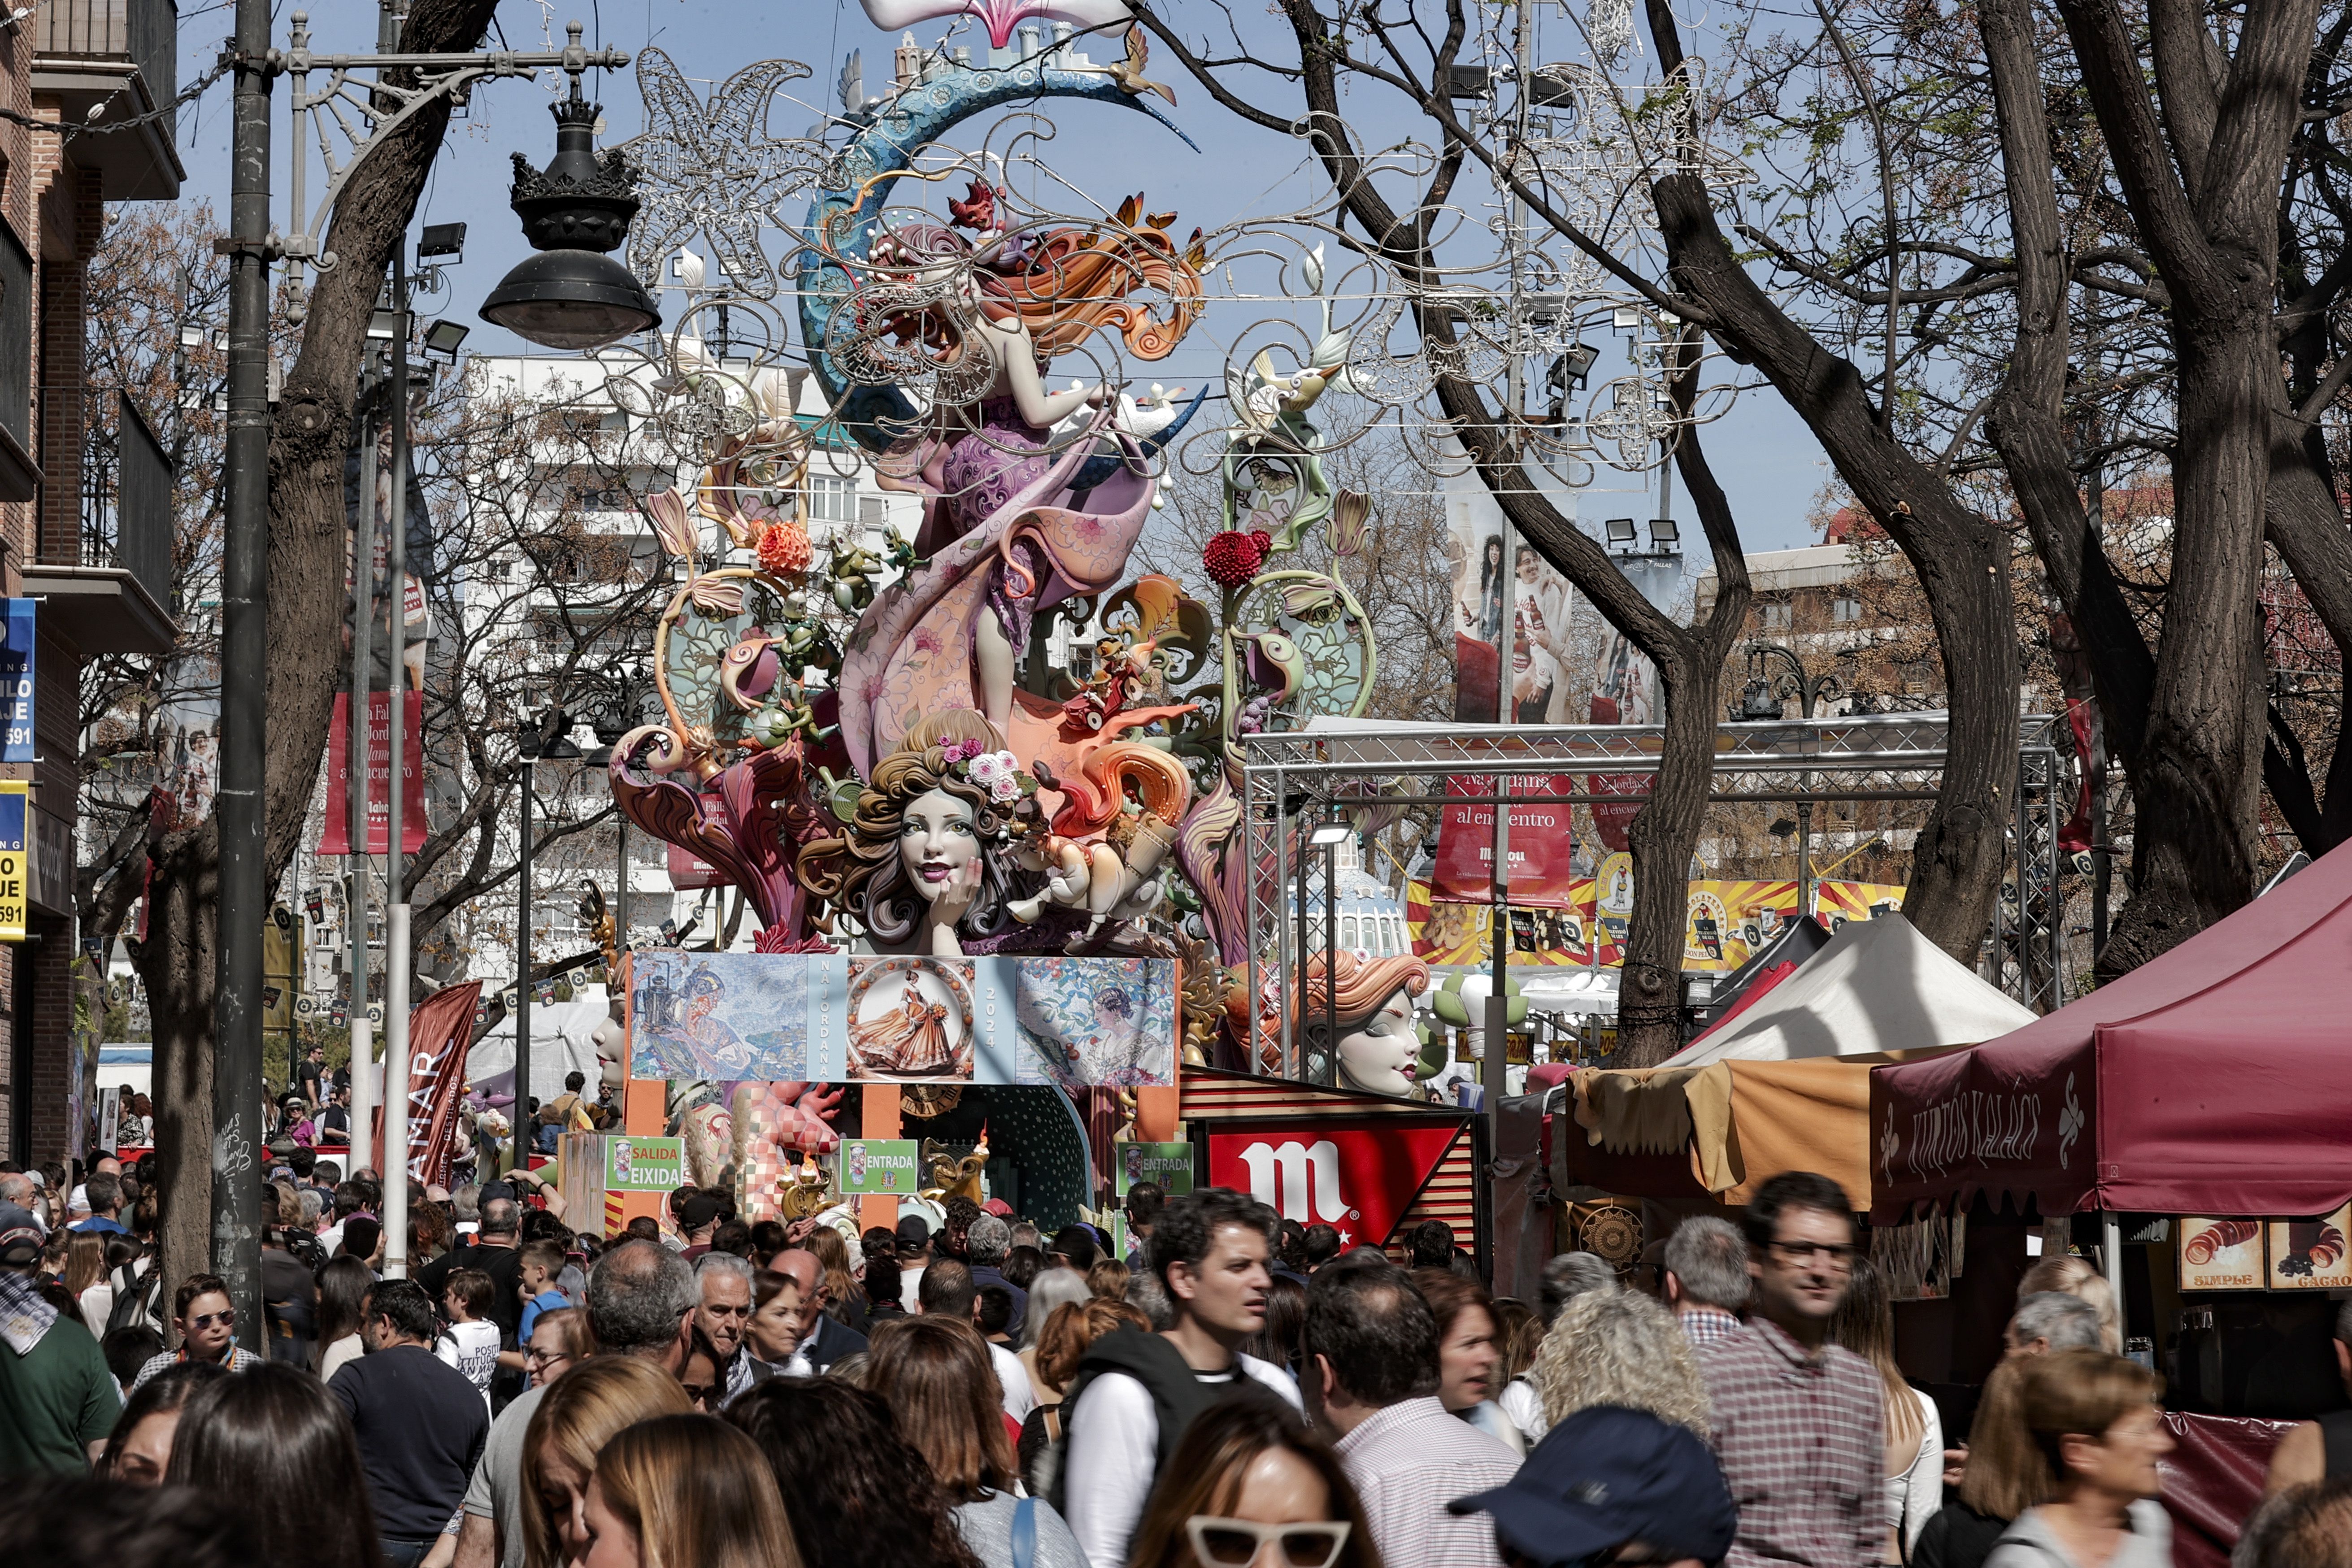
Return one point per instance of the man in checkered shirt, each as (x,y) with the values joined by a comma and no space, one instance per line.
(1798,1424)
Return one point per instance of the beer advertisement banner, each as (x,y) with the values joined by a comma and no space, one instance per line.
(1457,934)
(440,1028)
(1522,599)
(335,832)
(1074,1023)
(1543,844)
(1724,921)
(1359,1176)
(1626,692)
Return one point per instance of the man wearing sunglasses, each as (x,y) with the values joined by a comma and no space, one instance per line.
(1612,1488)
(207,1326)
(1798,1422)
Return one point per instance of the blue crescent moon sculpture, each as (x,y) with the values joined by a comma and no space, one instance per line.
(876,415)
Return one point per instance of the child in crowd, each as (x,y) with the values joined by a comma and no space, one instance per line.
(537,1264)
(470,1344)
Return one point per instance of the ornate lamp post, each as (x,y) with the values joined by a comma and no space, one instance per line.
(1761,701)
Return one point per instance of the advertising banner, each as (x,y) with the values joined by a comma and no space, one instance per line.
(880,1168)
(440,1028)
(2310,1254)
(1725,921)
(1627,691)
(1522,599)
(1359,1176)
(335,834)
(1074,1023)
(643,1164)
(2221,1254)
(1457,934)
(15,858)
(1543,844)
(17,676)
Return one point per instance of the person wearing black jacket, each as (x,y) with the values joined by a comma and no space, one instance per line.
(421,1425)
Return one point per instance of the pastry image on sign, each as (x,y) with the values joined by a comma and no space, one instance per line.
(2311,1255)
(2221,1254)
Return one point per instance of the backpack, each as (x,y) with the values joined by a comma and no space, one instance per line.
(138,1299)
(1177,1397)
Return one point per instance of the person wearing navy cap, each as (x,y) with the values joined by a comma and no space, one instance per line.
(1612,1488)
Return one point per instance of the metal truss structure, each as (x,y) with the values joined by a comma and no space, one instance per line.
(1293,780)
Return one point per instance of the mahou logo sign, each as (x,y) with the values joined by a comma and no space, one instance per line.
(1358,1177)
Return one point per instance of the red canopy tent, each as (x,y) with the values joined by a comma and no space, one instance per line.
(2211,1081)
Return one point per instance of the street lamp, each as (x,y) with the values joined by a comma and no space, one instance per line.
(1761,701)
(547,739)
(572,295)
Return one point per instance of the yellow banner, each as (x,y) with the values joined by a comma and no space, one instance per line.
(15,856)
(1724,921)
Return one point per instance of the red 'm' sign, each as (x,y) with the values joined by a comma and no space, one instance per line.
(1357,1177)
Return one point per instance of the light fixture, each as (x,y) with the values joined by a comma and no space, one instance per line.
(1330,832)
(1781,827)
(442,239)
(384,324)
(443,339)
(1666,532)
(191,335)
(1469,83)
(573,294)
(1756,703)
(1574,365)
(1621,530)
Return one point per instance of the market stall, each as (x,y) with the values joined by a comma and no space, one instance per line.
(1784,1084)
(2185,1123)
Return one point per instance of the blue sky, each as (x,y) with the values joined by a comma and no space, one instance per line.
(1767,460)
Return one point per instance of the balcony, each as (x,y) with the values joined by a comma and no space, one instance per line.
(119,58)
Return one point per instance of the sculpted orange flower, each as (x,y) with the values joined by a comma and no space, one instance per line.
(784,549)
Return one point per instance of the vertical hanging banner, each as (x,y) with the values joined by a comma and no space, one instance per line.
(1627,693)
(1543,845)
(440,1028)
(335,830)
(16,858)
(17,681)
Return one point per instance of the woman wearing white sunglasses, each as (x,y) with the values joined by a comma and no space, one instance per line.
(1251,1486)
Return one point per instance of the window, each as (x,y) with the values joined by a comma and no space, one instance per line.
(1773,615)
(832,499)
(1846,609)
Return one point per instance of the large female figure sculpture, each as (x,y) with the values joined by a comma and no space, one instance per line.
(1358,1017)
(1008,529)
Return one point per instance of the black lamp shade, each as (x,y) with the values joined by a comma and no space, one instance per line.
(571,300)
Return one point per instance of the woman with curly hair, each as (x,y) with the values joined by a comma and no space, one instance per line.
(924,864)
(884,1510)
(1358,1024)
(1619,1347)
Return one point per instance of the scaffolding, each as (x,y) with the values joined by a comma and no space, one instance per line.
(1293,780)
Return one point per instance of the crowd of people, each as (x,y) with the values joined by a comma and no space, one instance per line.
(1238,1392)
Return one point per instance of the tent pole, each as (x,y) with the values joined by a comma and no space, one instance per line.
(2111,1257)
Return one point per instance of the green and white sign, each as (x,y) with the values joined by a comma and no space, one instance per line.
(1168,1165)
(878,1169)
(643,1164)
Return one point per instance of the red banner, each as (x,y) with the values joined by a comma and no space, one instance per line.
(1357,1175)
(440,1031)
(335,837)
(1543,845)
(688,870)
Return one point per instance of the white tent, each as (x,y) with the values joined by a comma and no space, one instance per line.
(1878,985)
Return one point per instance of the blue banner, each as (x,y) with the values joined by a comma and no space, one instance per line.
(17,684)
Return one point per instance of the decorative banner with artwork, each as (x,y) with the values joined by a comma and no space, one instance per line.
(335,830)
(440,1029)
(1543,845)
(1627,692)
(1726,920)
(824,1017)
(2221,1254)
(1920,1258)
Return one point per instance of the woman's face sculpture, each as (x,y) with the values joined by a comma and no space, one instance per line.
(1378,1056)
(936,839)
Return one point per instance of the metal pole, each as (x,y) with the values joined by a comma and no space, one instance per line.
(1331,957)
(621,893)
(365,1097)
(2111,1257)
(524,1133)
(396,893)
(236,1199)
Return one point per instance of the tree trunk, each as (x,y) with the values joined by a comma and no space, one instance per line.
(2205,202)
(308,550)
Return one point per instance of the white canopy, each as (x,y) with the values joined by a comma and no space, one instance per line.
(1879,985)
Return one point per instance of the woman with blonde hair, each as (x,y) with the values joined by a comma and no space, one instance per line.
(2075,1277)
(575,1417)
(934,1374)
(2098,1429)
(1864,1324)
(685,1492)
(1061,1344)
(2005,1477)
(1619,1347)
(844,1297)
